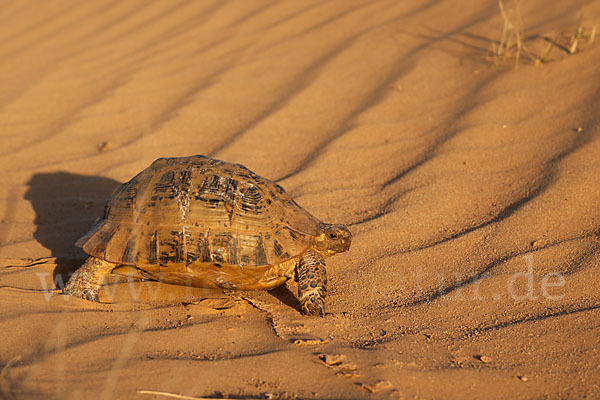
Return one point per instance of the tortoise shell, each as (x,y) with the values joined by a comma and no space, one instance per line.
(200,211)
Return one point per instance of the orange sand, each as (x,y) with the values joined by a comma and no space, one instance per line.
(471,188)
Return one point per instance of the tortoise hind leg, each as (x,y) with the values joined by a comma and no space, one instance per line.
(312,284)
(86,281)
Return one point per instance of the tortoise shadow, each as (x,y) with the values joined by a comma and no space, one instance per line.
(285,295)
(66,205)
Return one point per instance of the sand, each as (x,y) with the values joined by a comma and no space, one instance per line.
(470,183)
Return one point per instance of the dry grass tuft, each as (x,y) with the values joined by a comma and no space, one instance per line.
(511,45)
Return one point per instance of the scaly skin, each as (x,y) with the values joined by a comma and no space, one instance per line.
(312,284)
(86,281)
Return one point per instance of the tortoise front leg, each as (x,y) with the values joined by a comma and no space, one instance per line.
(86,281)
(312,284)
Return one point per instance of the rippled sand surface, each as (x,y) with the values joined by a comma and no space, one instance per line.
(472,189)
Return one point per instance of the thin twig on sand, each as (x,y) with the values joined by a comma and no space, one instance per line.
(174,395)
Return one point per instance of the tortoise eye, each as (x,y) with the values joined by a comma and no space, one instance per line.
(332,236)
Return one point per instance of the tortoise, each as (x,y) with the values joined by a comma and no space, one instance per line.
(203,222)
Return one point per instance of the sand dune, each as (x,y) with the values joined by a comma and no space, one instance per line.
(471,187)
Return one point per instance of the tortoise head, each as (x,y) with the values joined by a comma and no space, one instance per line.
(333,239)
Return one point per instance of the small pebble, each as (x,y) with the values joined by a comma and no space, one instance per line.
(104,146)
(218,303)
(459,360)
(379,385)
(347,374)
(307,342)
(332,359)
(483,359)
(523,378)
(346,367)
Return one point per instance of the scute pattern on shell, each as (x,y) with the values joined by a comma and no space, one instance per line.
(198,210)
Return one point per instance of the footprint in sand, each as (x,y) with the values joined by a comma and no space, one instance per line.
(289,325)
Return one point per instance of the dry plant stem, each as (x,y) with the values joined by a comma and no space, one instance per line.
(511,33)
(575,40)
(576,36)
(518,34)
(544,58)
(8,365)
(174,395)
(505,29)
(581,34)
(5,384)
